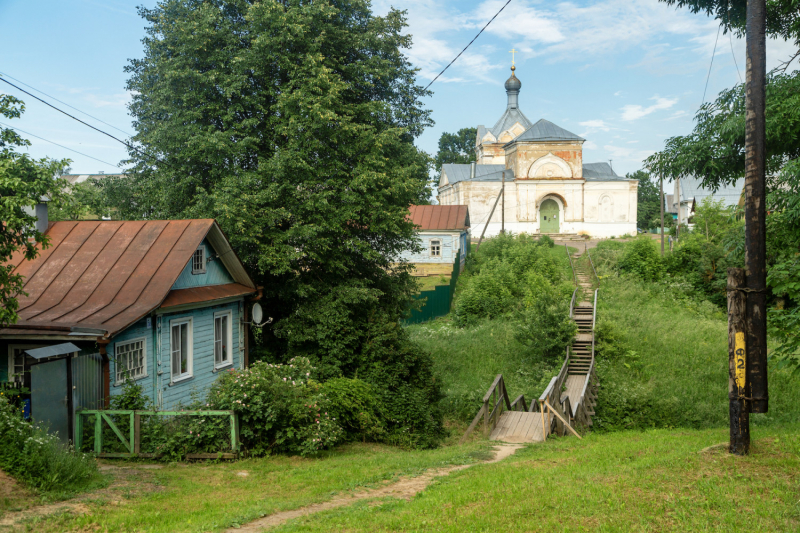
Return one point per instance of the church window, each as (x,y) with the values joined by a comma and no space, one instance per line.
(436,248)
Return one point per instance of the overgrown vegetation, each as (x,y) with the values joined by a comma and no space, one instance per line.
(32,455)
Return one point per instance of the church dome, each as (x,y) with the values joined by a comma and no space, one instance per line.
(513,83)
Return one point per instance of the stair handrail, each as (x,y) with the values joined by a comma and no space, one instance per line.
(499,396)
(582,401)
(572,303)
(591,262)
(574,276)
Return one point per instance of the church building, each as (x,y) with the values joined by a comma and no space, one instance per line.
(547,187)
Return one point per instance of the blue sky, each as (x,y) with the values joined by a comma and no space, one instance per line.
(624,74)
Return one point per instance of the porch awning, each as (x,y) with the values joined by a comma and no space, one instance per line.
(52,351)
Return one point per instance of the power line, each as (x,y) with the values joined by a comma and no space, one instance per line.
(711,65)
(465,48)
(730,35)
(59,145)
(66,104)
(130,146)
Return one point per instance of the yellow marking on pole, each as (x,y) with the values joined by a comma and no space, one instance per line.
(741,360)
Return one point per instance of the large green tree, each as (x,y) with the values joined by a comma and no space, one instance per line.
(292,123)
(23,182)
(648,199)
(456,147)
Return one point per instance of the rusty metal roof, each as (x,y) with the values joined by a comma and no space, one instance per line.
(208,293)
(107,275)
(440,217)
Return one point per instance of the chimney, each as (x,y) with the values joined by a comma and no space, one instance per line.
(41,215)
(472,170)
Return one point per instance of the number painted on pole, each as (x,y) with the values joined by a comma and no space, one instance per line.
(741,359)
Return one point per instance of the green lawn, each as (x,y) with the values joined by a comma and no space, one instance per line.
(213,497)
(658,480)
(428,283)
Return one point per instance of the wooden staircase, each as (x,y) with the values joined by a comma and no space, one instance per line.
(570,397)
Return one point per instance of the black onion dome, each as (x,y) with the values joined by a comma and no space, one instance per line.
(512,83)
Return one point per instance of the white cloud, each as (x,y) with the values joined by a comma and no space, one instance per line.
(589,145)
(634,111)
(595,125)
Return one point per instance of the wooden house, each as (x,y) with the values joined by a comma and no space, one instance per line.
(160,302)
(444,236)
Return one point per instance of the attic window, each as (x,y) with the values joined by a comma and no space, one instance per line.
(199,261)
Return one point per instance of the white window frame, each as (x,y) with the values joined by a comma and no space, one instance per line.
(189,352)
(202,250)
(229,348)
(11,348)
(438,245)
(117,380)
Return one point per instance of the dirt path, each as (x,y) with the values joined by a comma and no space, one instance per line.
(127,481)
(405,488)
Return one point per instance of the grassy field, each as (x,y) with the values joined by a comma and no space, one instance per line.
(213,497)
(674,372)
(657,480)
(428,283)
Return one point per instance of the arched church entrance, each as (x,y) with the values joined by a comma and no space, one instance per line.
(548,216)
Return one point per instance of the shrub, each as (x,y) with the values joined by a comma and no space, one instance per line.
(37,458)
(355,406)
(487,294)
(280,408)
(642,259)
(545,327)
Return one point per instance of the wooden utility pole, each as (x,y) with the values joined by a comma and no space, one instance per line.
(755,209)
(737,363)
(488,221)
(661,180)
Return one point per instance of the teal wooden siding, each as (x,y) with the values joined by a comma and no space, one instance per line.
(215,274)
(136,331)
(158,385)
(450,245)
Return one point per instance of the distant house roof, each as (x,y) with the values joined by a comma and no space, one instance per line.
(600,172)
(691,190)
(103,276)
(544,130)
(440,217)
(72,179)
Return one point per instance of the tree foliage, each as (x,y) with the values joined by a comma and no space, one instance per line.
(648,211)
(456,147)
(292,123)
(23,182)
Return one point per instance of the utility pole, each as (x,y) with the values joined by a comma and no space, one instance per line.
(737,364)
(755,209)
(661,181)
(678,199)
(503,205)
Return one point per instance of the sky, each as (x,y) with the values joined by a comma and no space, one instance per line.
(624,74)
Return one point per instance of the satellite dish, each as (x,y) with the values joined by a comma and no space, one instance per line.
(258,314)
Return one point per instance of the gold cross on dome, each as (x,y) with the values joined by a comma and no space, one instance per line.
(512,52)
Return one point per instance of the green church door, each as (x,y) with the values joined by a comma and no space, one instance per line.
(549,217)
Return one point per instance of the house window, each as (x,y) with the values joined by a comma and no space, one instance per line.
(199,261)
(223,352)
(181,349)
(130,359)
(436,248)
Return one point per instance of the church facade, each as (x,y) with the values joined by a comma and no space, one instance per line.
(547,186)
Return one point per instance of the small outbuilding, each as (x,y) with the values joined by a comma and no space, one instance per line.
(444,234)
(162,303)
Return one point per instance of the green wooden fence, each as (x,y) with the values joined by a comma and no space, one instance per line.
(438,301)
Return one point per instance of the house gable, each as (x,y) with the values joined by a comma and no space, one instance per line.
(215,272)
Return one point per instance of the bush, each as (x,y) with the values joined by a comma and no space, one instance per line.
(642,259)
(545,327)
(355,406)
(37,458)
(280,408)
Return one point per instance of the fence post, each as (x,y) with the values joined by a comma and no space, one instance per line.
(98,433)
(137,433)
(77,438)
(234,432)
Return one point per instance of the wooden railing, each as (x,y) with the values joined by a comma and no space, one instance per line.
(591,262)
(494,401)
(582,415)
(574,276)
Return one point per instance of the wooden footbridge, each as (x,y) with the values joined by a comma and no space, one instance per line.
(569,399)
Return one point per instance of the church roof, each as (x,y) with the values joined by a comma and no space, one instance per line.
(509,118)
(456,172)
(600,172)
(544,130)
